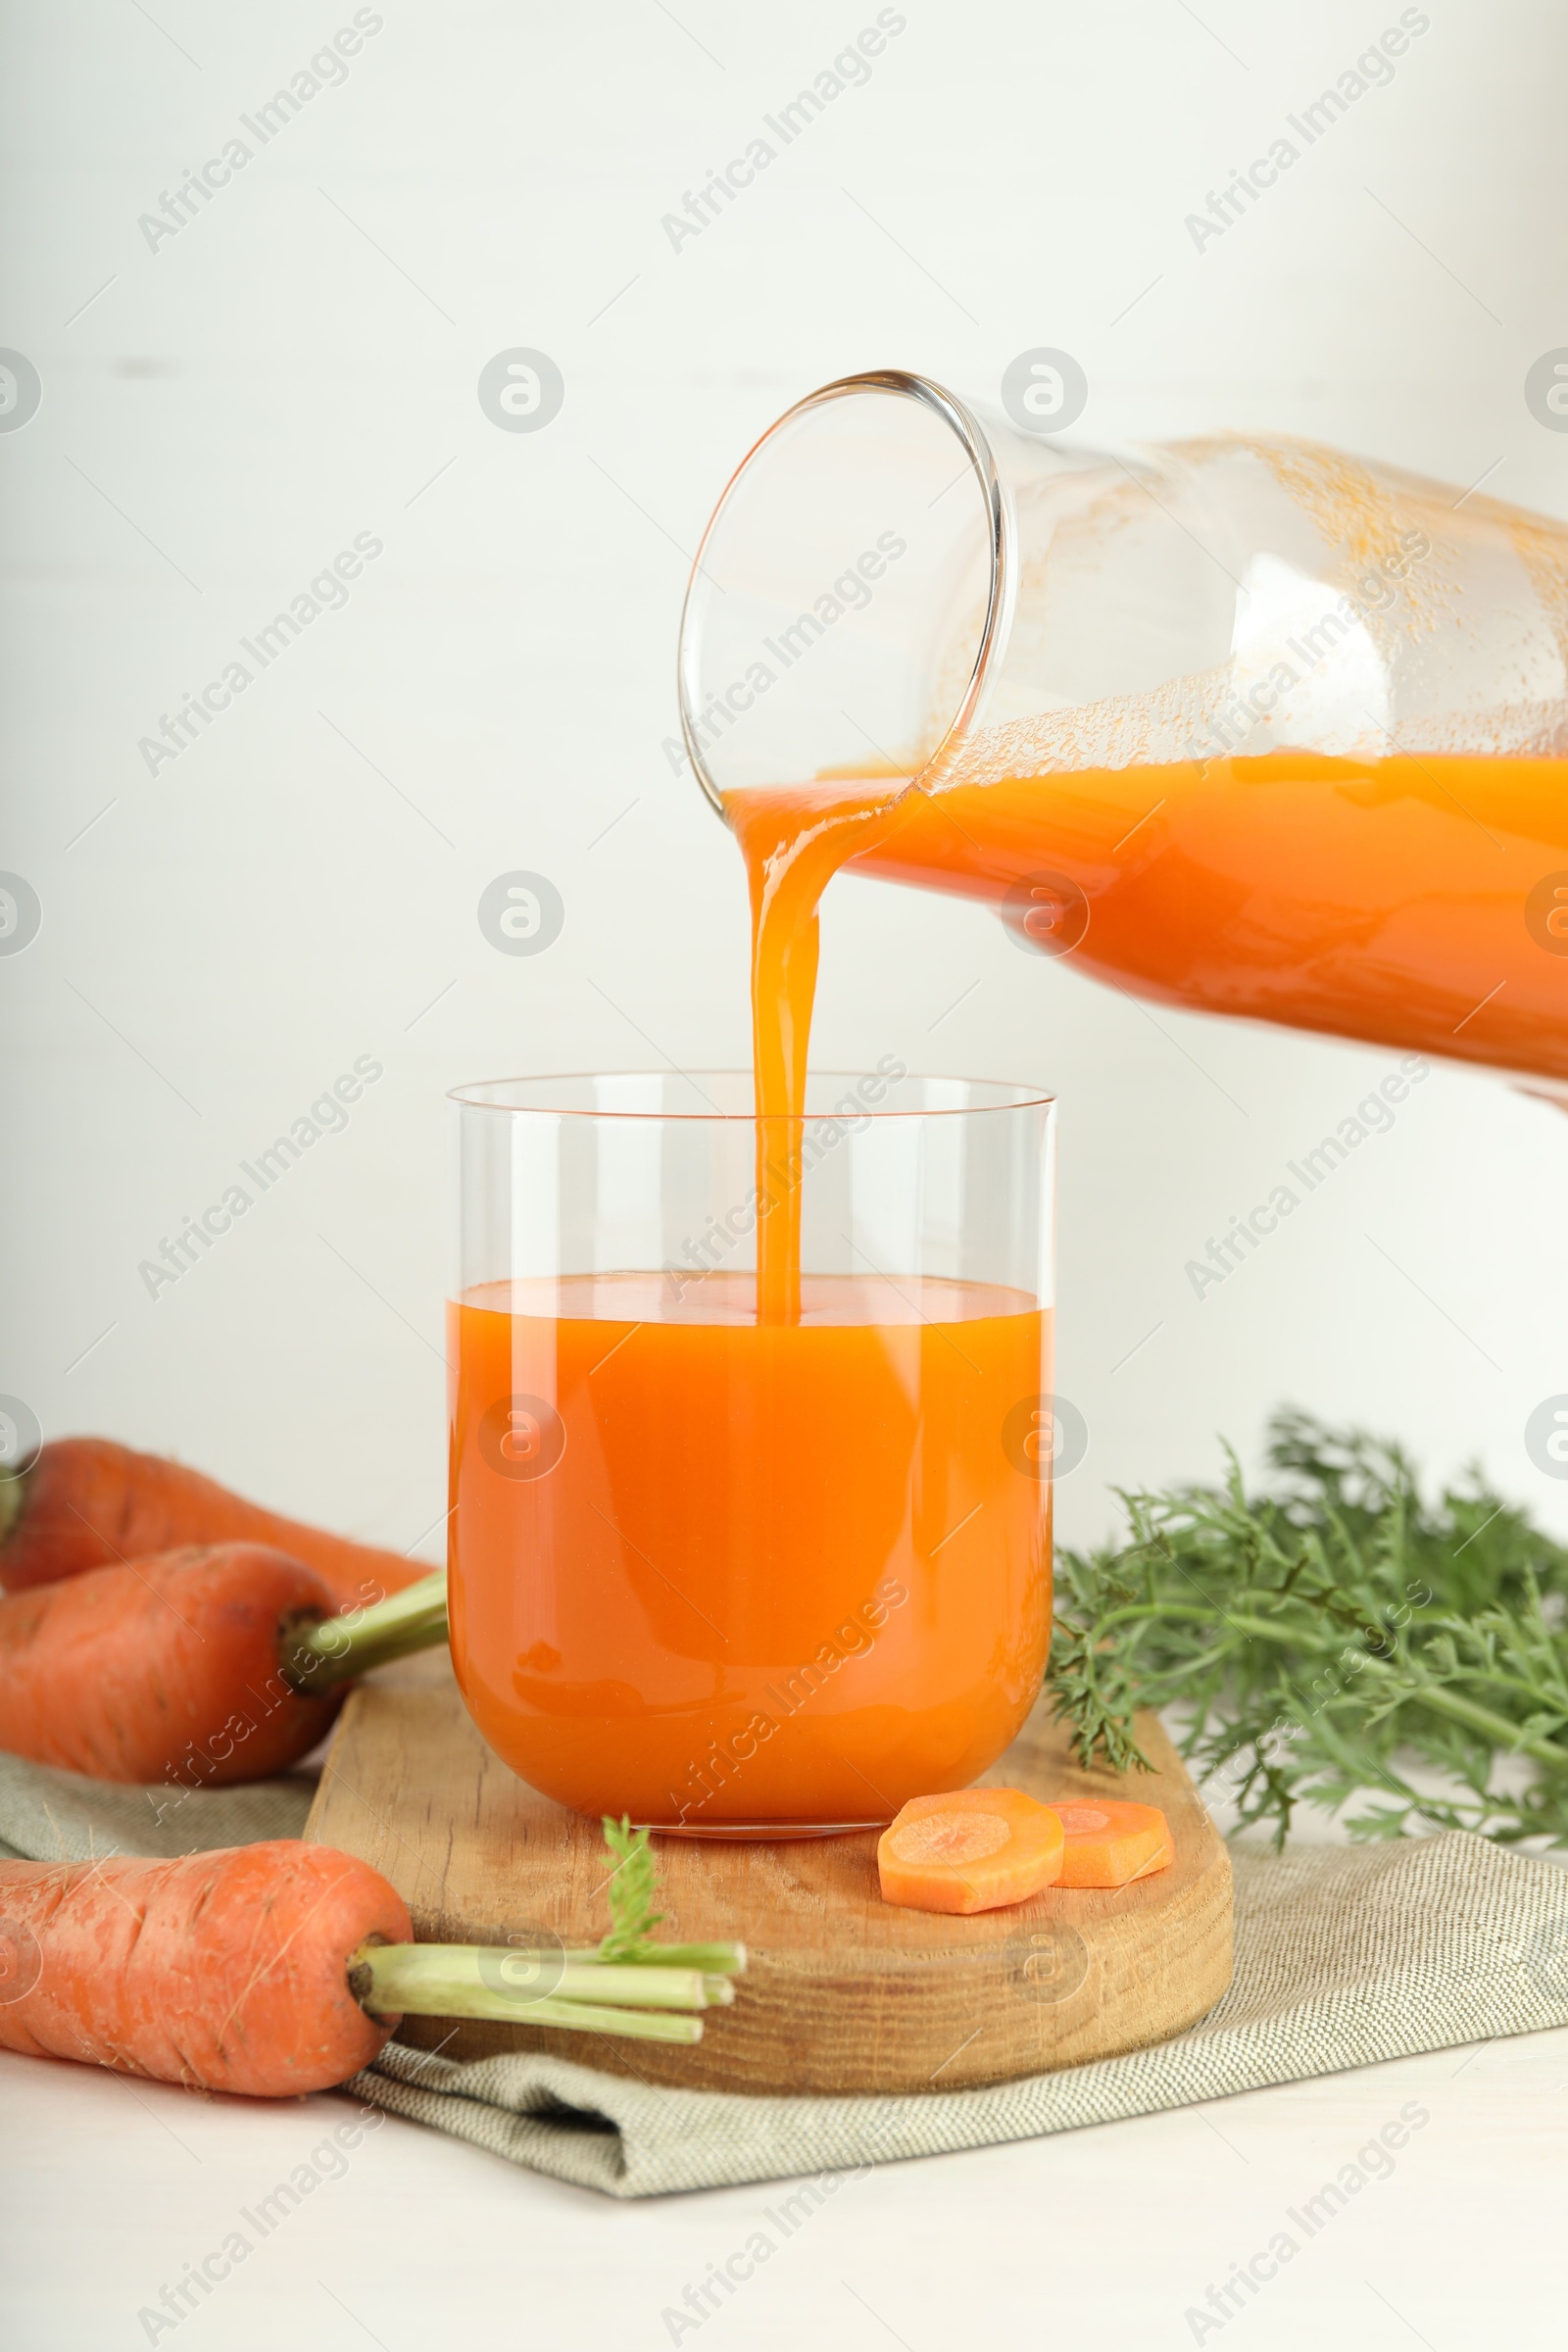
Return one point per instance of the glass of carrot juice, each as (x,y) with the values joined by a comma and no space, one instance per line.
(752,1439)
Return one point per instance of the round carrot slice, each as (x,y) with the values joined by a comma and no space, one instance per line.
(974,1850)
(1109,1843)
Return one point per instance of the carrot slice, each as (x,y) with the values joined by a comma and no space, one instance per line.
(974,1850)
(1109,1843)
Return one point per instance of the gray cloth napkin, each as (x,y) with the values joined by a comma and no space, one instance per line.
(48,1816)
(1345,1955)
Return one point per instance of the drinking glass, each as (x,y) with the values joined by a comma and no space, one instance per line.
(736,1578)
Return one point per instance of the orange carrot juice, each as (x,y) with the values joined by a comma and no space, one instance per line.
(716,1571)
(1416,901)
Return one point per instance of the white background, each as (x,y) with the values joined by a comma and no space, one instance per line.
(268,383)
(221,941)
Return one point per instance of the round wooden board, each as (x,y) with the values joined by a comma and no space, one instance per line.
(844,1993)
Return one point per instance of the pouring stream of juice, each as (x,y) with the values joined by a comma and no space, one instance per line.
(794,840)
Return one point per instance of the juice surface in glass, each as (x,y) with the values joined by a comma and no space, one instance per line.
(737,1571)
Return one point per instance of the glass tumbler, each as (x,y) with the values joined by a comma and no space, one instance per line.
(735,1578)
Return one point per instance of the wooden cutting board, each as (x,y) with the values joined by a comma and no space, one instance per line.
(844,1993)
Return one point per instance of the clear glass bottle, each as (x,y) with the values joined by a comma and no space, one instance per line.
(1243,723)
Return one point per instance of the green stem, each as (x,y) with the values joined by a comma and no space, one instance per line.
(713,1959)
(318,1655)
(1493,1727)
(633,2025)
(1256,1626)
(1436,1698)
(630,1987)
(535,1989)
(13,1501)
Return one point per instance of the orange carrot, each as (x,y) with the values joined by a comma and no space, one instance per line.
(168,1669)
(227,1969)
(87,1503)
(974,1850)
(1109,1843)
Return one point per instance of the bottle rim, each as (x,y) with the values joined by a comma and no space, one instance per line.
(965,426)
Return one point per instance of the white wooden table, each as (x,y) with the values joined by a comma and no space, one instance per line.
(1104,2239)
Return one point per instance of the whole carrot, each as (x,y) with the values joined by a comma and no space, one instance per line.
(222,1662)
(227,1969)
(87,1502)
(165,1669)
(282,1968)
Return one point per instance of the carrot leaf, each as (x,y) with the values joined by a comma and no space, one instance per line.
(633,1890)
(1332,1636)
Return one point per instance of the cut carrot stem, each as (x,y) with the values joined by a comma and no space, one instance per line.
(632,2025)
(13,1490)
(504,1981)
(974,1850)
(1110,1842)
(714,1959)
(336,1649)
